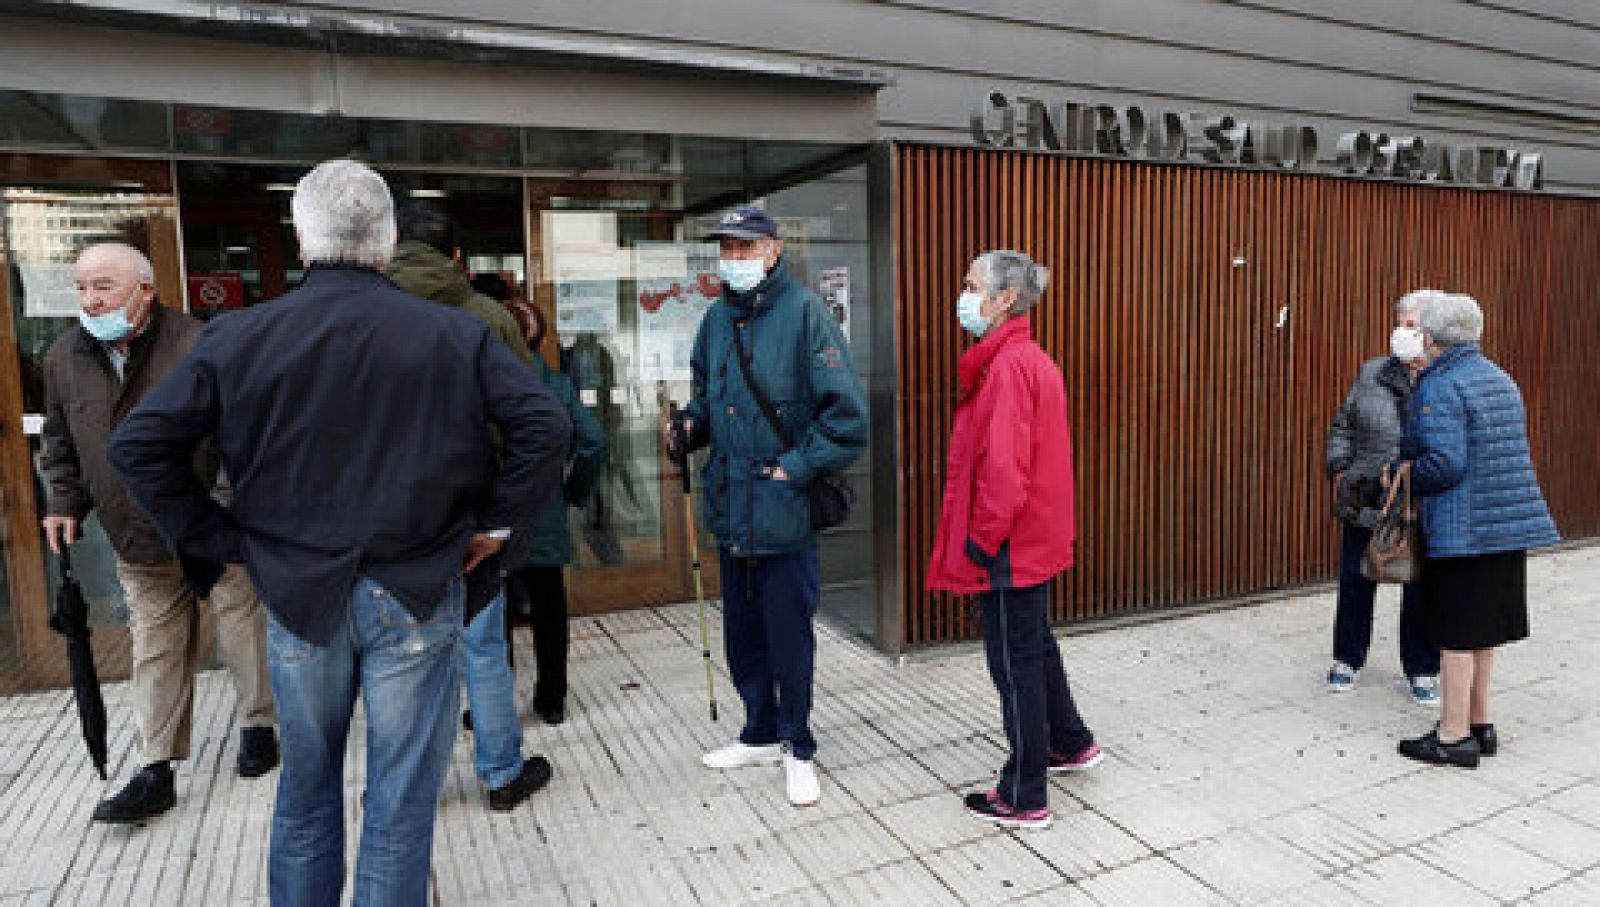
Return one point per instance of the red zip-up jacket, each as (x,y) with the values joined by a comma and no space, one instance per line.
(1007,519)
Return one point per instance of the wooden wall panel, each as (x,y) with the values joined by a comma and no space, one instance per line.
(1208,322)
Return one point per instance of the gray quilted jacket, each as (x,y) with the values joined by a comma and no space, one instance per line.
(1365,435)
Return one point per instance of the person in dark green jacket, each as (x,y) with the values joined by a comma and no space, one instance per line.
(427,263)
(538,589)
(755,485)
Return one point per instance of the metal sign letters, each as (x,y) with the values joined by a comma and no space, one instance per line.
(1003,121)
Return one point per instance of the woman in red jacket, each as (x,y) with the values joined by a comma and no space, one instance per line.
(1006,528)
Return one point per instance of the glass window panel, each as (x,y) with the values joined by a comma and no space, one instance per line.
(825,224)
(260,133)
(46,121)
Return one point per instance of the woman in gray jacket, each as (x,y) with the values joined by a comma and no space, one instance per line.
(1365,436)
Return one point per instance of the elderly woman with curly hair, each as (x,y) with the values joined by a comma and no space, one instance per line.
(1466,448)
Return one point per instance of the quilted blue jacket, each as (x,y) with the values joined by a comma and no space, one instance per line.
(1471,467)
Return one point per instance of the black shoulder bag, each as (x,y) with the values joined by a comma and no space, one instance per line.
(830,496)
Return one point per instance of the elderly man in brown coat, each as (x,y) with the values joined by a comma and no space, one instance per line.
(94,375)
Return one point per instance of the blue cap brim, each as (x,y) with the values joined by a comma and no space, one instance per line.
(737,233)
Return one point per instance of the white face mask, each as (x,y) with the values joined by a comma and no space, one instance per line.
(741,274)
(1406,344)
(969,311)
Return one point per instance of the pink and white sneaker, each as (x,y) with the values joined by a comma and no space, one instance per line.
(990,808)
(1081,761)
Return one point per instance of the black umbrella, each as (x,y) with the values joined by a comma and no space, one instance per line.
(71,620)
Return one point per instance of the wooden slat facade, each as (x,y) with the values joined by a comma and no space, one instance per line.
(1208,322)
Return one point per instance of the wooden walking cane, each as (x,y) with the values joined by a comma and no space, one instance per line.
(680,455)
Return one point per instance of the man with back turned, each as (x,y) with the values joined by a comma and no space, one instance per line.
(354,421)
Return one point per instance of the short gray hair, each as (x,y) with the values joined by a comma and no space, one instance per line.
(1452,319)
(1415,300)
(1004,269)
(343,212)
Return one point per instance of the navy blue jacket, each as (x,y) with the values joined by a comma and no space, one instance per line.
(799,356)
(1467,439)
(353,420)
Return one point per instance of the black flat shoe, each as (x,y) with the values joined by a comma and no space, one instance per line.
(1430,749)
(1488,740)
(258,751)
(149,794)
(536,772)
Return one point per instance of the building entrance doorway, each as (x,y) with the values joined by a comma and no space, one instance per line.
(50,209)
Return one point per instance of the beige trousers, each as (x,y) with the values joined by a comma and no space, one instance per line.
(164,626)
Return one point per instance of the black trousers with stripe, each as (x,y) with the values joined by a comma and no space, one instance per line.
(1035,701)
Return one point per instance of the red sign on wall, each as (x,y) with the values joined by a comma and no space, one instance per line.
(216,292)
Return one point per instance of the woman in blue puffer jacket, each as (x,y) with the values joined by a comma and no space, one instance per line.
(1467,448)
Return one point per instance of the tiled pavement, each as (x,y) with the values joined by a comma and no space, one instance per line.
(1232,777)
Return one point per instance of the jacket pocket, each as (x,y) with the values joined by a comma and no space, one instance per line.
(781,514)
(714,493)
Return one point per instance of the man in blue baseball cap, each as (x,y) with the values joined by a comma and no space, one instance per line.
(779,404)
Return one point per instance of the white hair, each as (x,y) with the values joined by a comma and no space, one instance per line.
(1003,270)
(343,212)
(132,258)
(1452,319)
(1415,300)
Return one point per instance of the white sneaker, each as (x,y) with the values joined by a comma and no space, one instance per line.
(739,755)
(804,788)
(1425,690)
(1342,677)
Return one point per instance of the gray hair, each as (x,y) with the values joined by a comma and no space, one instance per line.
(1415,300)
(343,212)
(1452,319)
(1003,270)
(132,258)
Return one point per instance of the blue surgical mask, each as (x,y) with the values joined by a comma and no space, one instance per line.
(969,312)
(113,325)
(741,274)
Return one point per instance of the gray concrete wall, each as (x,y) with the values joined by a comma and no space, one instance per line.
(1340,65)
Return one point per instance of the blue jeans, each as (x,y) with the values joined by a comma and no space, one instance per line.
(405,671)
(1036,704)
(492,696)
(767,607)
(1352,621)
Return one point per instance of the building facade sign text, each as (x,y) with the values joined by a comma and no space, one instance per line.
(1006,121)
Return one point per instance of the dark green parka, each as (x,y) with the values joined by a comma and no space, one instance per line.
(550,538)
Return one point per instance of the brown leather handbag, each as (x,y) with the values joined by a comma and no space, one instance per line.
(1395,553)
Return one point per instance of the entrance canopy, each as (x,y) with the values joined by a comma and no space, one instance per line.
(383,66)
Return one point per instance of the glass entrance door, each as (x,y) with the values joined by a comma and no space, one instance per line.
(623,296)
(50,209)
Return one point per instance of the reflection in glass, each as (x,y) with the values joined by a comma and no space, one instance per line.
(231,132)
(63,122)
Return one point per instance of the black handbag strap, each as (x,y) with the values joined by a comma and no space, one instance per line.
(762,400)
